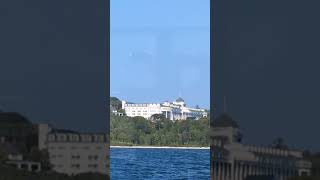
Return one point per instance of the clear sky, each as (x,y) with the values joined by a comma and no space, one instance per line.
(160,50)
(53,59)
(268,65)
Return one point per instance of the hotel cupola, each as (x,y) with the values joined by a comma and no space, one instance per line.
(180,102)
(225,130)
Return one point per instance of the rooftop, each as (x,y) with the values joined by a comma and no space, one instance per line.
(179,100)
(225,120)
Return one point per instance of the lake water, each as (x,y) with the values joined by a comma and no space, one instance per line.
(156,164)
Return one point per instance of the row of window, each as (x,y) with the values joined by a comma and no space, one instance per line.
(74,147)
(139,114)
(90,157)
(76,138)
(275,161)
(268,150)
(139,111)
(56,156)
(76,166)
(141,105)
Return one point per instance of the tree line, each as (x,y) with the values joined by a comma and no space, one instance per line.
(159,131)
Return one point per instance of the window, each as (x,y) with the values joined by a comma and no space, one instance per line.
(93,166)
(75,157)
(61,147)
(51,137)
(86,138)
(75,166)
(61,137)
(74,138)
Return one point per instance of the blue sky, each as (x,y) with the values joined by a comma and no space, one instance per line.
(160,49)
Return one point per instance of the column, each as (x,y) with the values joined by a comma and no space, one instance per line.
(289,172)
(250,169)
(254,170)
(219,171)
(216,168)
(29,167)
(245,171)
(226,168)
(232,170)
(19,165)
(223,171)
(241,171)
(236,170)
(285,175)
(212,170)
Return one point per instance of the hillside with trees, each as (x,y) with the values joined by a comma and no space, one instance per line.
(158,131)
(115,103)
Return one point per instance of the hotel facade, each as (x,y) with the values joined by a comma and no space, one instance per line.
(72,152)
(176,110)
(233,160)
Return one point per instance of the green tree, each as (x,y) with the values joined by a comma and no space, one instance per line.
(140,131)
(115,103)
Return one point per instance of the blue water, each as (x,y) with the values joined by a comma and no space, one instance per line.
(156,164)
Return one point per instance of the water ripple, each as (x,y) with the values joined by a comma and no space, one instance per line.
(156,164)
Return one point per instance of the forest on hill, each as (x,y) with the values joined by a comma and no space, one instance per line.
(160,132)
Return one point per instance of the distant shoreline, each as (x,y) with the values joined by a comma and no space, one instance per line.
(158,147)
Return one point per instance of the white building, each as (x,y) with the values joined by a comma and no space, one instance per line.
(73,153)
(233,160)
(176,110)
(16,160)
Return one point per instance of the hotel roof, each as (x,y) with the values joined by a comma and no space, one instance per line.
(179,100)
(224,120)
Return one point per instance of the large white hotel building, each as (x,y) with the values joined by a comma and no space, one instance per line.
(176,110)
(72,152)
(233,160)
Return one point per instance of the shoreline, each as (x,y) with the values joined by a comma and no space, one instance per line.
(158,147)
